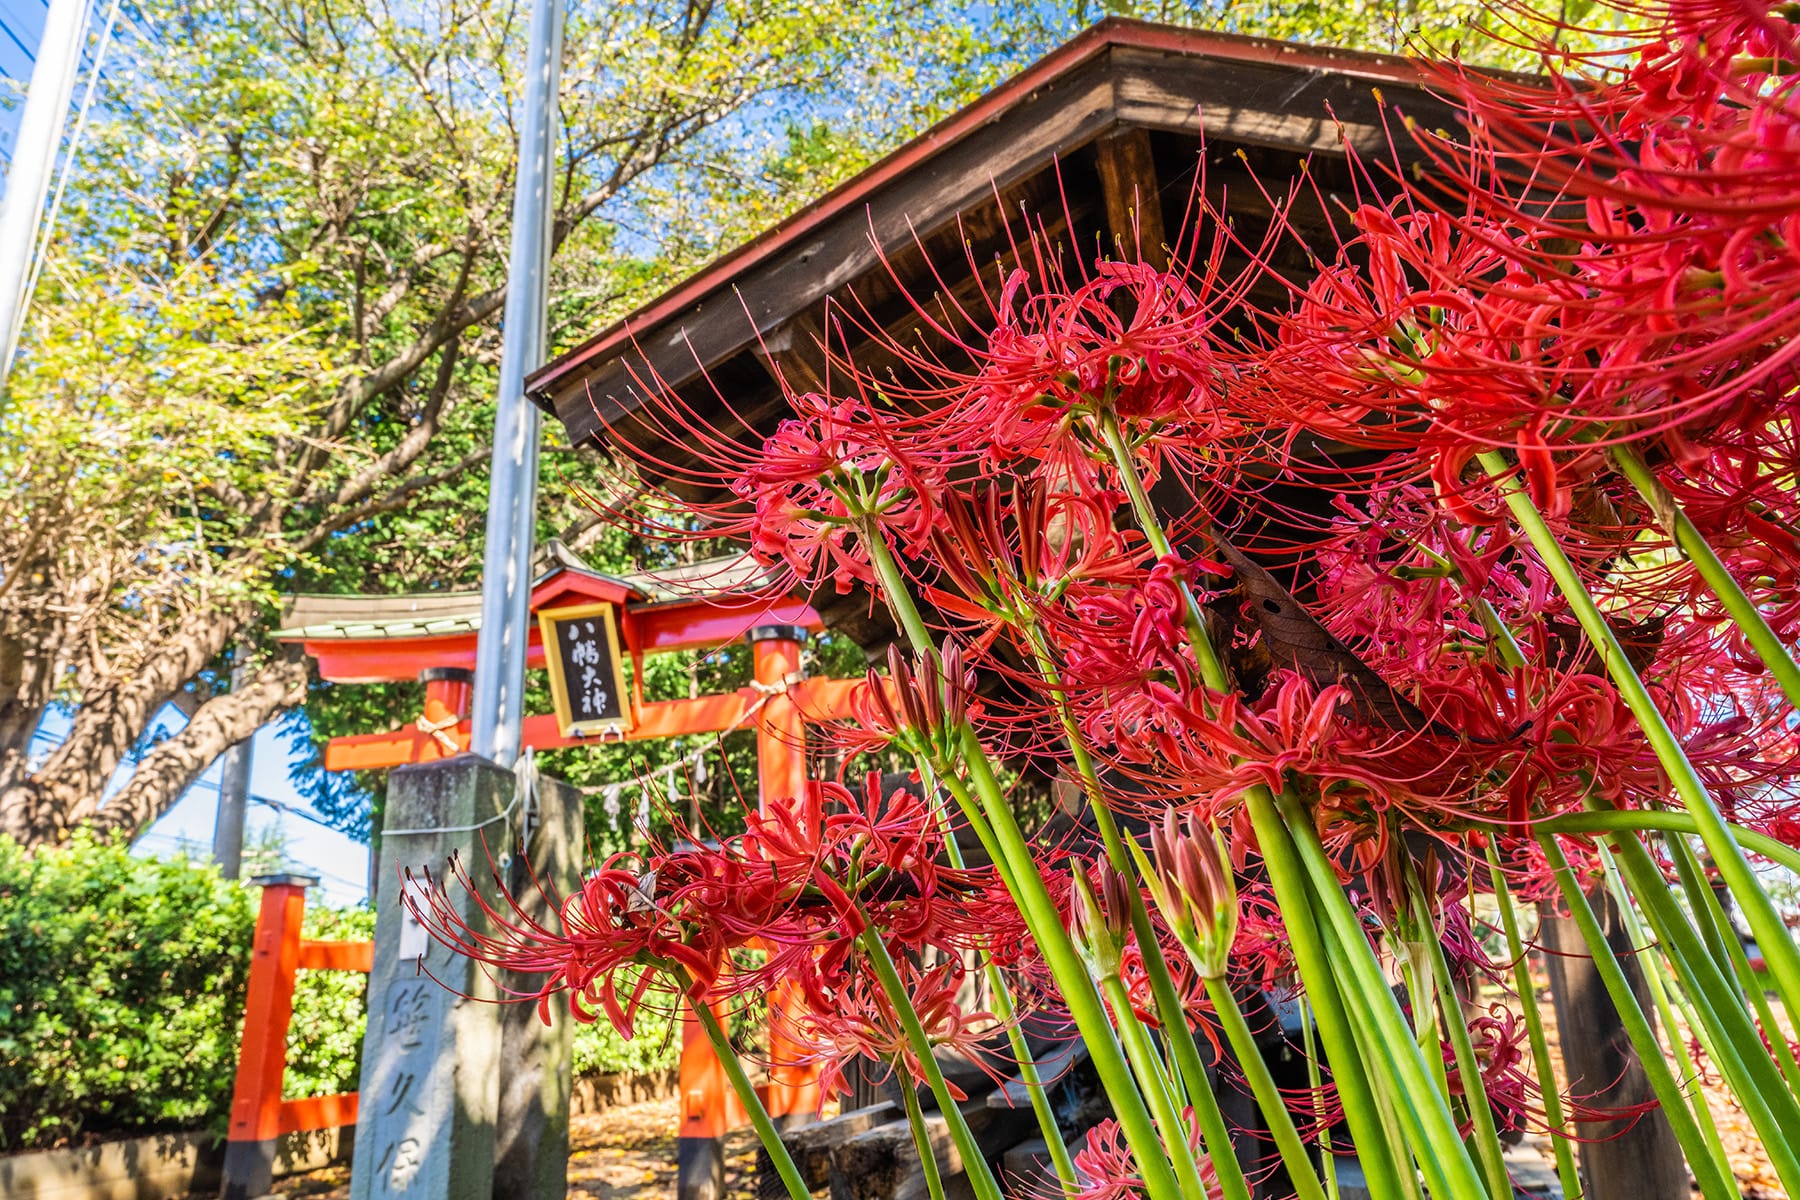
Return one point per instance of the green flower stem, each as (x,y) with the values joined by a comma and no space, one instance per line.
(1007,1013)
(1693,884)
(1315,1080)
(1190,1070)
(1693,546)
(893,584)
(1740,963)
(1005,1010)
(1738,1049)
(1707,1176)
(753,1105)
(1779,950)
(1377,1152)
(1423,995)
(1615,821)
(1657,979)
(975,1164)
(1534,1028)
(915,1117)
(1012,857)
(1481,1115)
(1316,1083)
(1449,1169)
(1642,820)
(1301,1171)
(1212,671)
(1082,999)
(1397,1131)
(1154,1083)
(1079,993)
(1367,1116)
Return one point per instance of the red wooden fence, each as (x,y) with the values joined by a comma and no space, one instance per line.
(259,1116)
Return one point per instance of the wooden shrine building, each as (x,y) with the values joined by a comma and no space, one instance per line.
(1097,148)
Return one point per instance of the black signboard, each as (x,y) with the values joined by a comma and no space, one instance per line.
(587,674)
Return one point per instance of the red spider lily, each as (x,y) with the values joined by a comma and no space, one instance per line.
(820,481)
(1219,746)
(1007,555)
(1057,356)
(611,924)
(1498,1039)
(861,1020)
(1130,629)
(1108,1171)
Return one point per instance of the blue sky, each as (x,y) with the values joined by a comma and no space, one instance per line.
(21,24)
(339,861)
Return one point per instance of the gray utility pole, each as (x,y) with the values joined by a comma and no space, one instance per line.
(34,158)
(234,790)
(497,706)
(234,797)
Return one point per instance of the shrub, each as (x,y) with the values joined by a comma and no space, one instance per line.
(324,1045)
(121,991)
(655,1044)
(122,985)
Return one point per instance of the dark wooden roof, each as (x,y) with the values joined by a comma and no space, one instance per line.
(1075,146)
(1118,107)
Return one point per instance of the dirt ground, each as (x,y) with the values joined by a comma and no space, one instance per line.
(624,1153)
(628,1152)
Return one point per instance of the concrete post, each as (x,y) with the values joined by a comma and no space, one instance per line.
(531,1149)
(429,1097)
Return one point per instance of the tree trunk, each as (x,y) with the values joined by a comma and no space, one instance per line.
(215,727)
(1623,1159)
(110,718)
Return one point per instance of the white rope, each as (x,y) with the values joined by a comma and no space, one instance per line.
(439,731)
(692,763)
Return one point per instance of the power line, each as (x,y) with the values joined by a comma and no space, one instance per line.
(7,29)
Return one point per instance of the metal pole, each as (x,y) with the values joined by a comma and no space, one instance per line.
(234,797)
(498,702)
(34,154)
(234,789)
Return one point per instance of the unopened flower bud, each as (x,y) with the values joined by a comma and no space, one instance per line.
(1192,884)
(1101,923)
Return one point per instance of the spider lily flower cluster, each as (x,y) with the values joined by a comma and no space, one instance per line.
(1481,586)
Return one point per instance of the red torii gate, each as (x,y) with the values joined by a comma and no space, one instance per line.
(431,637)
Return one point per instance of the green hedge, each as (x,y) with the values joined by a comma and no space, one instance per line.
(122,998)
(121,989)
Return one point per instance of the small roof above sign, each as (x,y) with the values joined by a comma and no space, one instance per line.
(563,578)
(374,639)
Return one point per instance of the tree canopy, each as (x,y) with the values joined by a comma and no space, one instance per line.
(261,356)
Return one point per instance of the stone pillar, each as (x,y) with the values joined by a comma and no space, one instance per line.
(531,1148)
(430,1090)
(1625,1159)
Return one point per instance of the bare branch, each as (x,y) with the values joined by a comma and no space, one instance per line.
(387,501)
(215,727)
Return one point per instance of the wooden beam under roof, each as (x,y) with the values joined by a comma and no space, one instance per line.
(1117,77)
(1133,196)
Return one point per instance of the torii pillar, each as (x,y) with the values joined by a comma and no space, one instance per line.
(792,1096)
(780,778)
